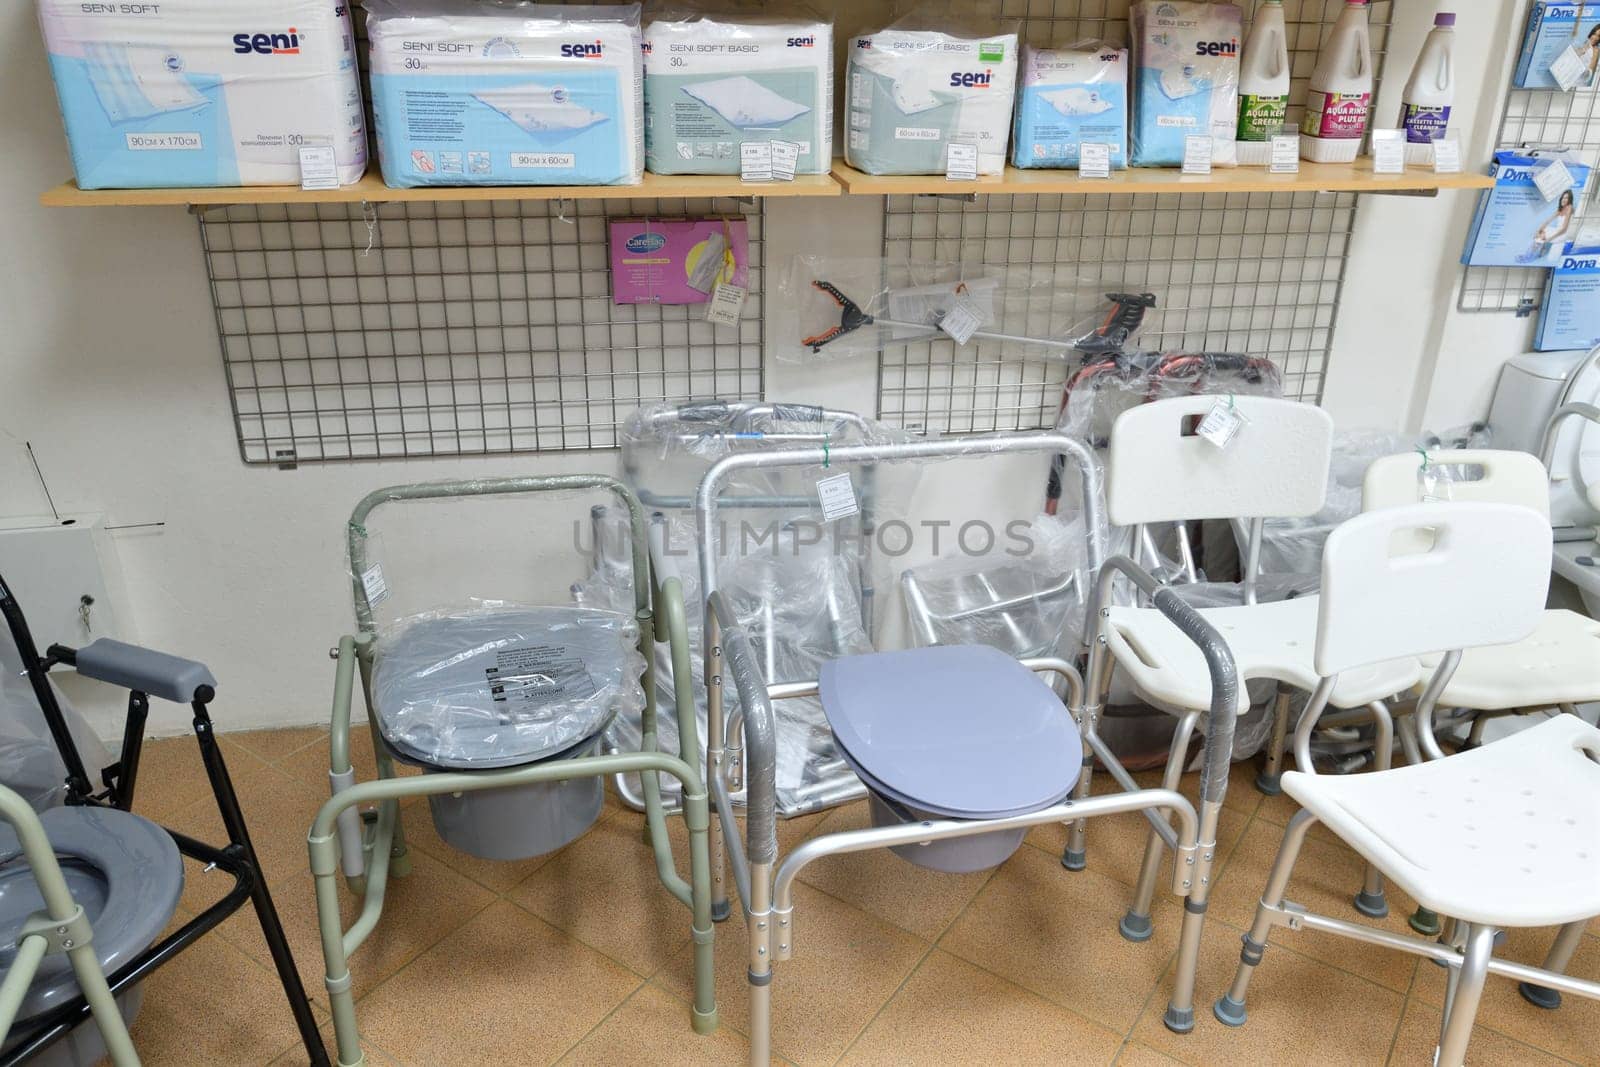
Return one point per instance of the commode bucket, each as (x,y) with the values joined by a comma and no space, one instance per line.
(517,822)
(953,855)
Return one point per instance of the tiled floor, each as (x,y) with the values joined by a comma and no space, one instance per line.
(580,957)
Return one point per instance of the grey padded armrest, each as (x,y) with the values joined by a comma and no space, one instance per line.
(154,673)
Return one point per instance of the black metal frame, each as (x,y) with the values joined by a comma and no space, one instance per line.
(237,857)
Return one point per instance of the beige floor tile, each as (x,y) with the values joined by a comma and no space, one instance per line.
(915,899)
(296,1056)
(171,775)
(1280,809)
(497,875)
(653,1027)
(1037,924)
(276,745)
(846,966)
(504,988)
(1569,1031)
(1115,843)
(1419,1038)
(1300,1012)
(949,1011)
(1137,1055)
(1325,880)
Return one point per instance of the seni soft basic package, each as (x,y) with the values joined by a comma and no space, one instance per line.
(479,93)
(714,81)
(913,93)
(1570,317)
(1515,226)
(204,92)
(1186,79)
(1069,96)
(1552,28)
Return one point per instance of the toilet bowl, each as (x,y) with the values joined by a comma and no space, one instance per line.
(126,874)
(951,732)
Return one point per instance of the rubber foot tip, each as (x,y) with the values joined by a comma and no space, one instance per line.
(1074,860)
(1539,996)
(704,1024)
(1229,1012)
(1269,784)
(1373,906)
(1179,1022)
(1425,924)
(720,910)
(1136,928)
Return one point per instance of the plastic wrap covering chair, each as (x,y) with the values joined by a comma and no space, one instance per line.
(1159,469)
(961,747)
(501,786)
(1501,836)
(125,871)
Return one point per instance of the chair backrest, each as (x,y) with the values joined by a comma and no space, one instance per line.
(1158,470)
(1497,476)
(1429,578)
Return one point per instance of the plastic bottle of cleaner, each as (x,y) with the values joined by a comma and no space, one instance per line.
(1425,104)
(1264,75)
(1341,91)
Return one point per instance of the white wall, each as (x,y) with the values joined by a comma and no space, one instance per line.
(109,366)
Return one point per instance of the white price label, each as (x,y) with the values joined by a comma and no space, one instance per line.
(1197,154)
(961,321)
(838,497)
(317,167)
(1569,70)
(1094,160)
(1221,424)
(961,162)
(755,161)
(726,304)
(785,158)
(1553,180)
(1447,156)
(372,583)
(1285,154)
(1388,151)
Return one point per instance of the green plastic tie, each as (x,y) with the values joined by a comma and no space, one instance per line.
(824,453)
(358,528)
(1423,452)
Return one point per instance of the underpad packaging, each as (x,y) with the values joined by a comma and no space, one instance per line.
(1069,96)
(1186,79)
(713,81)
(204,92)
(676,261)
(473,92)
(914,92)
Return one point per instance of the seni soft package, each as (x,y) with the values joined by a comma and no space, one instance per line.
(1069,96)
(204,92)
(1186,79)
(714,81)
(1552,29)
(678,261)
(1570,317)
(473,92)
(1515,226)
(914,92)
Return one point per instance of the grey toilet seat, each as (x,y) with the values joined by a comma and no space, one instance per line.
(959,731)
(123,869)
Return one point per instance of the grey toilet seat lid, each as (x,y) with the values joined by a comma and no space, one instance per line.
(143,872)
(962,731)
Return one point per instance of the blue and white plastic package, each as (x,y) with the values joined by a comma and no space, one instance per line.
(1570,317)
(472,92)
(1515,226)
(1069,96)
(1186,79)
(1552,28)
(199,93)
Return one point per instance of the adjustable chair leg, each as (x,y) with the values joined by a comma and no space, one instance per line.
(1461,1004)
(399,853)
(1560,954)
(1370,901)
(1075,856)
(1267,779)
(1229,1009)
(1135,925)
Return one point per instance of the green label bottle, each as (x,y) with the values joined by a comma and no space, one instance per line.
(1261,116)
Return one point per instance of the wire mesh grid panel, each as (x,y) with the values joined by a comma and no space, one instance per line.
(450,328)
(1252,273)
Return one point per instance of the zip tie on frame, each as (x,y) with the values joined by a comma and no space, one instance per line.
(1423,452)
(369,215)
(358,528)
(1230,401)
(824,453)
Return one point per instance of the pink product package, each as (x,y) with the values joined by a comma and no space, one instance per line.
(655,261)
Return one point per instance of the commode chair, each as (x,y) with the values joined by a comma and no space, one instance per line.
(1506,835)
(503,710)
(108,880)
(961,747)
(1159,470)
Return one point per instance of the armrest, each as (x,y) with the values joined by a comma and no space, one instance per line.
(154,673)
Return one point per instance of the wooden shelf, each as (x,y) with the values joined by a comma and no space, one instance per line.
(1313,177)
(372,190)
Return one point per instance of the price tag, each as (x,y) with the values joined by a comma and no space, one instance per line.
(1285,154)
(1221,424)
(961,162)
(838,497)
(1447,156)
(1094,160)
(1388,152)
(961,321)
(785,157)
(1569,70)
(317,167)
(1553,180)
(755,161)
(1197,154)
(372,582)
(726,304)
